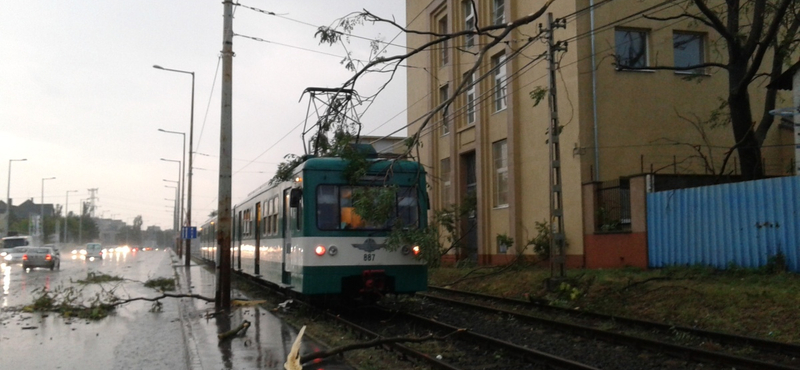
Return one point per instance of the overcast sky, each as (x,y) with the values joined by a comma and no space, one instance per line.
(81,101)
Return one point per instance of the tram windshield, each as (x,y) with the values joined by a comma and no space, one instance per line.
(335,209)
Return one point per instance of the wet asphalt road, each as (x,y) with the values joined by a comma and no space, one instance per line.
(130,338)
(179,337)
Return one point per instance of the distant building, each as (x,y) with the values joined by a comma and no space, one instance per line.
(29,208)
(109,230)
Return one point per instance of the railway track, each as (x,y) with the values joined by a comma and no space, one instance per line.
(509,338)
(683,343)
(457,350)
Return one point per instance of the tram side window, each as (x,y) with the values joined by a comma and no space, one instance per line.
(327,207)
(407,202)
(275,209)
(265,219)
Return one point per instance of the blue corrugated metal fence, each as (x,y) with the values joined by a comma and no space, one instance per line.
(743,224)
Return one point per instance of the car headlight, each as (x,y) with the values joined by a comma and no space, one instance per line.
(3,254)
(7,257)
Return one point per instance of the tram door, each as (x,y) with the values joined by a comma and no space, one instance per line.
(237,237)
(257,230)
(286,276)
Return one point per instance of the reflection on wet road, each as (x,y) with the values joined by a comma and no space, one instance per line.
(179,337)
(130,338)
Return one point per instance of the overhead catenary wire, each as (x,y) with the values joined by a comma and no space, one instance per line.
(486,93)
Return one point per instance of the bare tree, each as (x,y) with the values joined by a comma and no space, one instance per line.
(340,30)
(748,30)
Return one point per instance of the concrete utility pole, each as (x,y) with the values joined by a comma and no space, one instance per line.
(8,193)
(222,298)
(557,246)
(66,213)
(43,239)
(92,199)
(80,224)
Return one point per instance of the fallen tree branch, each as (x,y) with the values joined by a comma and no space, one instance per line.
(243,327)
(373,343)
(155,299)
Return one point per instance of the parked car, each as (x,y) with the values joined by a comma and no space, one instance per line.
(94,250)
(41,257)
(15,254)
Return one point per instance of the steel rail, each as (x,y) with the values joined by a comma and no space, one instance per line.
(529,354)
(668,348)
(762,344)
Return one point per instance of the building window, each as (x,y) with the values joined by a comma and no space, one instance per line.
(444,172)
(469,22)
(498,11)
(500,156)
(470,97)
(631,48)
(688,51)
(444,45)
(499,66)
(444,94)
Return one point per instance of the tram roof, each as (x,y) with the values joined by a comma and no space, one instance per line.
(378,164)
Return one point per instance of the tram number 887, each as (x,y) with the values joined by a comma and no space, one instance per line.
(369,256)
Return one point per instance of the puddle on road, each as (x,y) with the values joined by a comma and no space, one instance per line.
(265,345)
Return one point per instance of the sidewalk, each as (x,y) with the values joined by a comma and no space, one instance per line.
(267,341)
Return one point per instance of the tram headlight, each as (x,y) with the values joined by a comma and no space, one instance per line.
(416,250)
(319,250)
(333,250)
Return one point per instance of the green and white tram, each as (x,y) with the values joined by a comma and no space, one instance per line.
(305,235)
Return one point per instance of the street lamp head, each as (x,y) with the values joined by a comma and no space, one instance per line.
(156,66)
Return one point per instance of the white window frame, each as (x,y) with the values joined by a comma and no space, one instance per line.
(444,94)
(644,34)
(498,12)
(470,96)
(500,88)
(469,23)
(500,159)
(701,53)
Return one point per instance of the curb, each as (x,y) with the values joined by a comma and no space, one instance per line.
(191,353)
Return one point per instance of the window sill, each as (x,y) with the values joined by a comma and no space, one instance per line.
(465,127)
(500,111)
(635,70)
(690,73)
(504,206)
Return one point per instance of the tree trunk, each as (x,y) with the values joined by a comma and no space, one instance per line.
(747,145)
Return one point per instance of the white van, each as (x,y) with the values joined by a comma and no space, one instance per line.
(94,250)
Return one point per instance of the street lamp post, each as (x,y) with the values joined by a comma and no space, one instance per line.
(182,175)
(80,223)
(191,137)
(178,215)
(8,192)
(66,214)
(180,185)
(41,213)
(174,208)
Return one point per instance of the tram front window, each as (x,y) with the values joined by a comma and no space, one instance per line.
(336,211)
